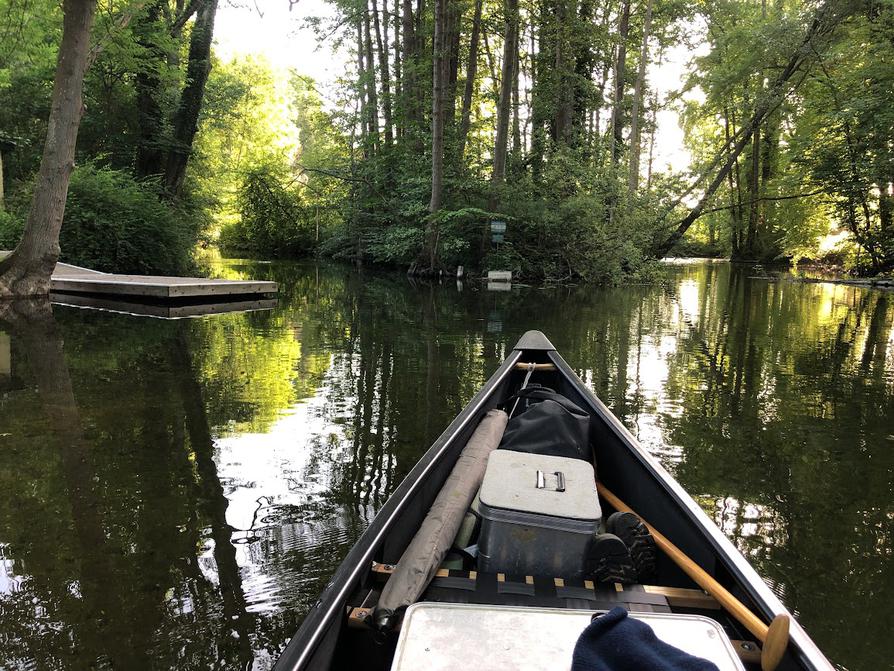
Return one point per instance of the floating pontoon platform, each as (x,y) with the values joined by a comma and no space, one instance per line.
(68,279)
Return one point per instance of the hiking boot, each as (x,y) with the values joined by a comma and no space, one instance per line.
(609,561)
(630,529)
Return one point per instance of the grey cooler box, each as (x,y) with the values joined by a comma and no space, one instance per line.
(538,514)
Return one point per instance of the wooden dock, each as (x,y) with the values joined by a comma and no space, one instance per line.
(144,308)
(68,279)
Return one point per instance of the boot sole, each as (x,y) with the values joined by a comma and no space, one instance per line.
(610,561)
(631,530)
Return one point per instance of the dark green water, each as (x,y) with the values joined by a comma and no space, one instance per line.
(174,494)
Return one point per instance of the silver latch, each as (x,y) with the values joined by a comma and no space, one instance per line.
(560,480)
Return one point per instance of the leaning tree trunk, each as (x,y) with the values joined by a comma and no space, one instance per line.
(27,271)
(186,121)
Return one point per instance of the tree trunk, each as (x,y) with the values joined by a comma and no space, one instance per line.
(653,123)
(638,90)
(186,120)
(365,134)
(516,122)
(617,135)
(469,90)
(409,88)
(510,46)
(398,72)
(147,84)
(383,73)
(2,195)
(451,63)
(563,121)
(735,203)
(582,85)
(27,271)
(439,76)
(754,209)
(371,92)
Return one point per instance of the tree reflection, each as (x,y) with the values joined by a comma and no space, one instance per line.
(190,506)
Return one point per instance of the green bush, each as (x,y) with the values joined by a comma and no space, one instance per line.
(116,224)
(11,227)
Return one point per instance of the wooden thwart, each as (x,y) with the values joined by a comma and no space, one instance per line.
(537,366)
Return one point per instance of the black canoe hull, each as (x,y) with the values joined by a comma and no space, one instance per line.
(622,465)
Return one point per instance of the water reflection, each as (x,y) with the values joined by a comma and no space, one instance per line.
(177,493)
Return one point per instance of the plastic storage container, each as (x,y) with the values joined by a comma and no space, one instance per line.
(538,514)
(449,636)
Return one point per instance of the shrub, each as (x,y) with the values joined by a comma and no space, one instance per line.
(115,224)
(11,227)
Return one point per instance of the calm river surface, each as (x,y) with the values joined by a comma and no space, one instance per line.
(175,493)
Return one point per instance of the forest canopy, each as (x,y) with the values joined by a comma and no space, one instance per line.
(452,114)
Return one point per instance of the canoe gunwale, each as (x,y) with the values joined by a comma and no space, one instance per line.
(732,559)
(359,559)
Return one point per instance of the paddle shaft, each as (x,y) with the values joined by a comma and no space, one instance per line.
(701,577)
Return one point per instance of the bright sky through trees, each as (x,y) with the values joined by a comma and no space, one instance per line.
(270,29)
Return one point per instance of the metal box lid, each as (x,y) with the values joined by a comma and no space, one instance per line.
(446,636)
(540,484)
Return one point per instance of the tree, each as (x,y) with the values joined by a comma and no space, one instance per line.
(824,21)
(186,120)
(27,271)
(510,47)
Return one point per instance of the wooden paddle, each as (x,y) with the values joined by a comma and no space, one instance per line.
(774,638)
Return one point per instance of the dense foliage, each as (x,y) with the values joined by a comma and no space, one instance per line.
(456,113)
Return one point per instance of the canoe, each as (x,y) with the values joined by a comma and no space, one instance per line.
(336,632)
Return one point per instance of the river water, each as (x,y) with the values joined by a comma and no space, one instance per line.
(175,493)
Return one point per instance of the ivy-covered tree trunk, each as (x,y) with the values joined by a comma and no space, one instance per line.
(186,120)
(27,271)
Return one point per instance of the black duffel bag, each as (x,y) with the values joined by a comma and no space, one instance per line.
(547,423)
